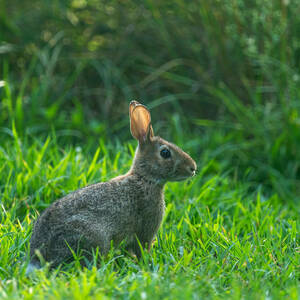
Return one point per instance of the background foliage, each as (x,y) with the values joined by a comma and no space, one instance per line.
(230,67)
(221,79)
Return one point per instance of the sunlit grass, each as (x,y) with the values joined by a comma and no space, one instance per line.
(219,238)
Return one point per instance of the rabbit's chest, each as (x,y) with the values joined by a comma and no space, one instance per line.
(150,211)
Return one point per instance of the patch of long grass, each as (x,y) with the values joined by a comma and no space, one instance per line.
(229,66)
(260,140)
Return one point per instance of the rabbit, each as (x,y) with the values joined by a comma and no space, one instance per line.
(127,208)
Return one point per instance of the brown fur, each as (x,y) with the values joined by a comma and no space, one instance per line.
(127,208)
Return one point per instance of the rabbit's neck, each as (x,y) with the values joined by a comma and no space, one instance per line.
(148,181)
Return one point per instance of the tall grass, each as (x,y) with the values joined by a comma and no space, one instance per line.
(232,66)
(150,49)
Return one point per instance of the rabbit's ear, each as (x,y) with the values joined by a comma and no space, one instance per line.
(140,122)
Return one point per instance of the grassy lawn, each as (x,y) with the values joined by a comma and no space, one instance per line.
(221,237)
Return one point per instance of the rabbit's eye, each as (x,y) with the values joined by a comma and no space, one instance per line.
(165,153)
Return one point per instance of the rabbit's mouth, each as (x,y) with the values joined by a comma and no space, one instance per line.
(182,178)
(189,172)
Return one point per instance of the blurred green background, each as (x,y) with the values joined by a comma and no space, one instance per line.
(221,78)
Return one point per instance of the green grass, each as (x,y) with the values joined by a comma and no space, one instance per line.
(227,75)
(221,237)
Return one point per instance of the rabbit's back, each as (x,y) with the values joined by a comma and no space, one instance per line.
(96,215)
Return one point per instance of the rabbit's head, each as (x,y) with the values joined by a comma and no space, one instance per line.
(156,159)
